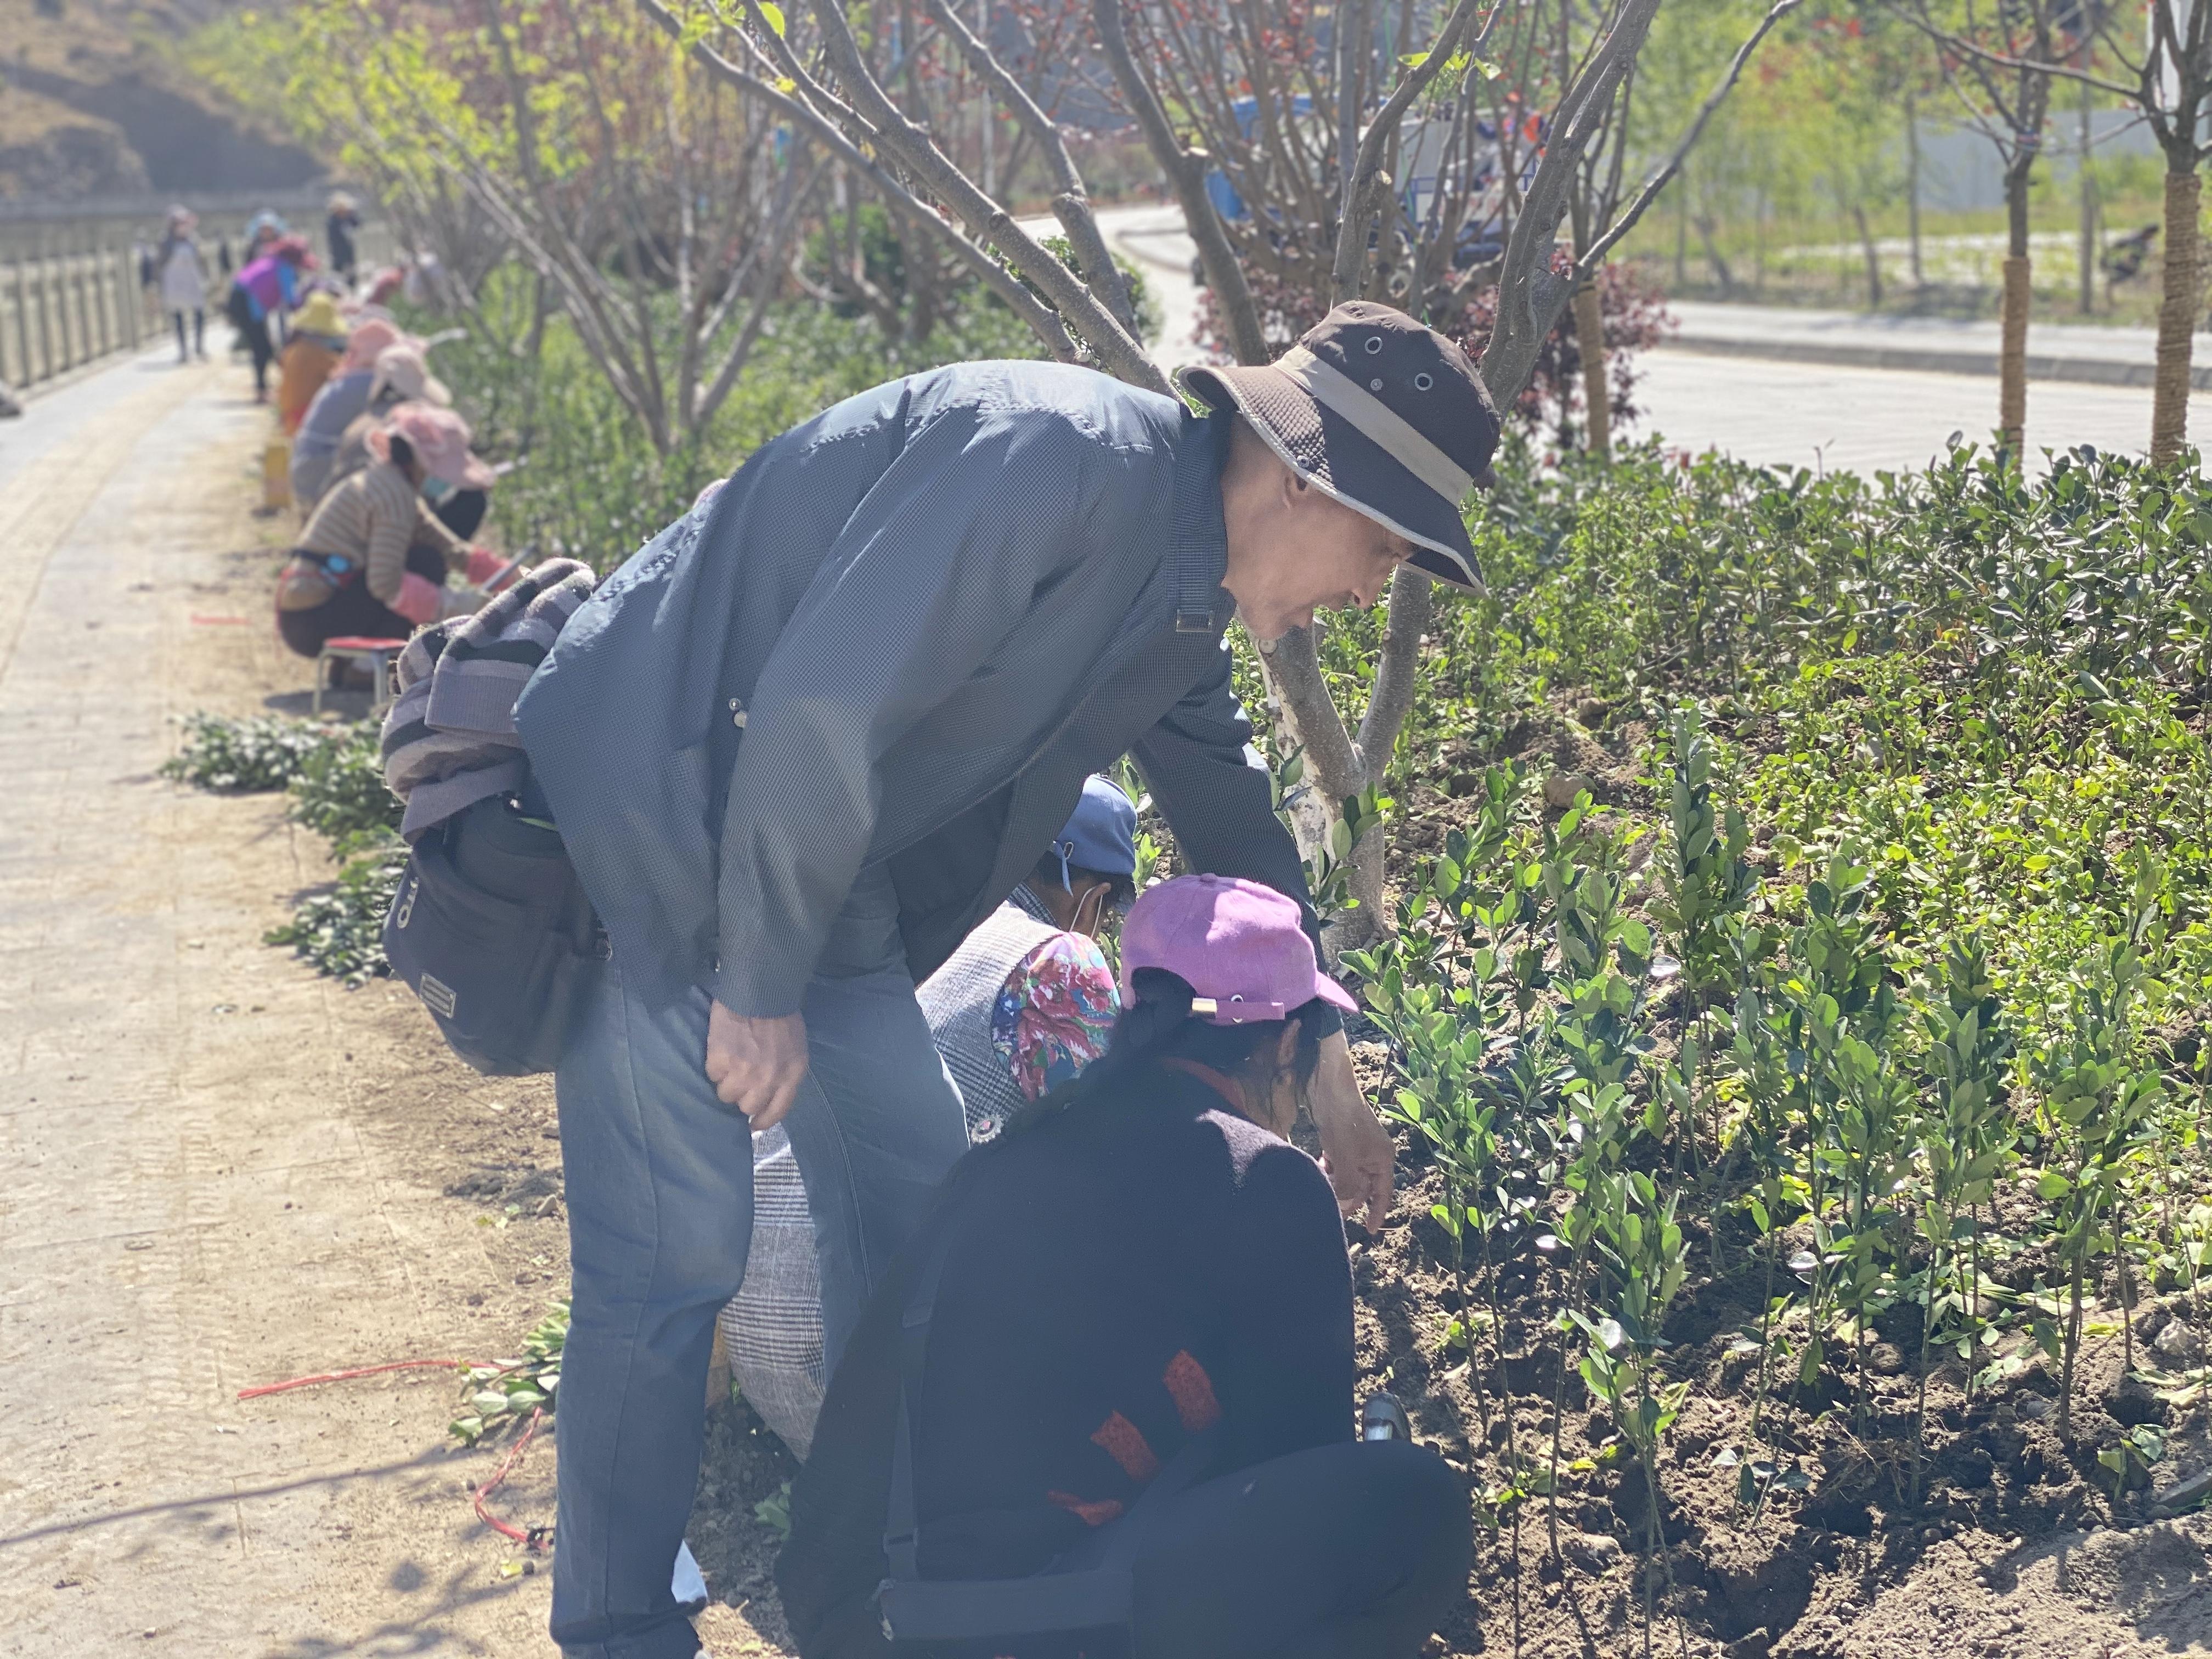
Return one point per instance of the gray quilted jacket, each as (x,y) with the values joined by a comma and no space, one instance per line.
(902,635)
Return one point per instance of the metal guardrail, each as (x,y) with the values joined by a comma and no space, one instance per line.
(58,314)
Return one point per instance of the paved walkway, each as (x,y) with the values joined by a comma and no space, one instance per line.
(1863,420)
(194,1200)
(1952,345)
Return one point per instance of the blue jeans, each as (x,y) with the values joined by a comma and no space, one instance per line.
(659,1195)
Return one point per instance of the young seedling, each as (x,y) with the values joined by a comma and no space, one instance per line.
(1770,1088)
(2099,1097)
(1965,1132)
(1640,1242)
(1707,885)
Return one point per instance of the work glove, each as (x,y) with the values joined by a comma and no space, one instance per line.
(419,599)
(482,565)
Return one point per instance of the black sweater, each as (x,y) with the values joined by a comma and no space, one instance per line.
(1121,1276)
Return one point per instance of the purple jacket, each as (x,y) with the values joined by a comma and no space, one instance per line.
(271,284)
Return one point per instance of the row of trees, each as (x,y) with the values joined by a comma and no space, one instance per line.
(1833,120)
(668,170)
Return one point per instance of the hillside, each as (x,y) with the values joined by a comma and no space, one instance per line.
(92,103)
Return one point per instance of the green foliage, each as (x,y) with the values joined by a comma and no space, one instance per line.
(500,1396)
(774,1512)
(339,791)
(1927,863)
(341,931)
(260,752)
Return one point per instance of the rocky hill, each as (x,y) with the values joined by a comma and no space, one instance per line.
(92,104)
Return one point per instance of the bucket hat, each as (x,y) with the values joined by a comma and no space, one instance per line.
(1379,413)
(320,315)
(367,341)
(400,369)
(1100,834)
(438,438)
(1240,946)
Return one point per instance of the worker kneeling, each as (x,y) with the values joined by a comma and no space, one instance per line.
(1103,1402)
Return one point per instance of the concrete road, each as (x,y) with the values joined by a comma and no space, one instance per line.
(1864,419)
(1813,415)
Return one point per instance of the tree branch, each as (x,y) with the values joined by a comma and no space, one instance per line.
(1186,170)
(1366,177)
(1657,180)
(1530,294)
(1024,305)
(1071,202)
(987,221)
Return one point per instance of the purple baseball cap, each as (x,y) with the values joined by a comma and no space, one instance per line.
(1239,946)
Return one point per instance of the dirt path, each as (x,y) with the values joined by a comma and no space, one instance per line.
(221,1170)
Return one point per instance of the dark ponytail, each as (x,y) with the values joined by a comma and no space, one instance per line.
(1157,1025)
(400,453)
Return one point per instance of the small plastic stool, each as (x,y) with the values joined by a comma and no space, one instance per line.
(375,655)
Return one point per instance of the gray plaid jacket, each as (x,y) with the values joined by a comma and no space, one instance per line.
(902,635)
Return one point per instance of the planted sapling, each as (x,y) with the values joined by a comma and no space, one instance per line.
(1965,1132)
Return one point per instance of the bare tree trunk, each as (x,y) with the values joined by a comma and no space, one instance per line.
(1873,256)
(1715,258)
(2011,352)
(1913,185)
(1590,344)
(2088,181)
(2177,316)
(1682,231)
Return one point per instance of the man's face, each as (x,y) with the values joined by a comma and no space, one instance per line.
(1312,554)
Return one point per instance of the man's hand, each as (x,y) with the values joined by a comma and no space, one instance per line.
(1356,1151)
(757,1065)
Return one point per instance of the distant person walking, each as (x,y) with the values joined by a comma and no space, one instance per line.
(338,226)
(262,231)
(184,282)
(266,287)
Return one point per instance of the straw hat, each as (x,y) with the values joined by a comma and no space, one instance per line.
(320,315)
(438,438)
(400,369)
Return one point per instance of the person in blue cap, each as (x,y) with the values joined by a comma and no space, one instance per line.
(1022,1006)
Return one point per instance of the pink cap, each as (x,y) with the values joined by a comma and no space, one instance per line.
(438,438)
(369,337)
(1239,946)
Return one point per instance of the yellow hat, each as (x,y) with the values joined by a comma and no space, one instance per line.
(319,316)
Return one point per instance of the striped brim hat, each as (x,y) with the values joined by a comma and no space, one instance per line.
(1381,413)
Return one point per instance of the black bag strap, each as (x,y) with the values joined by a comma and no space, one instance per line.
(901,1532)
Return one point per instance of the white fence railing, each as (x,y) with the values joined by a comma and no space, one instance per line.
(61,312)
